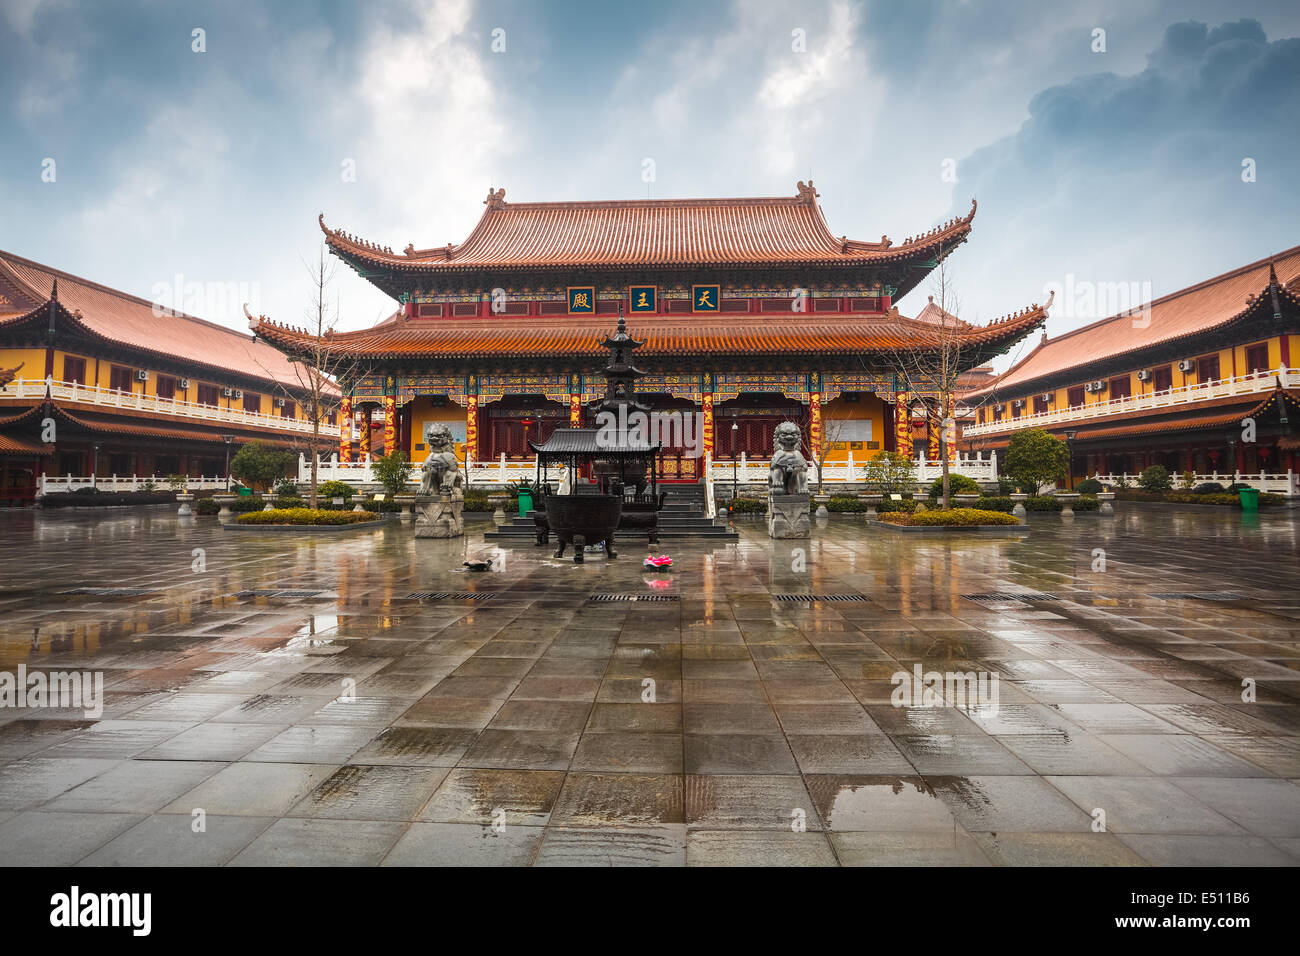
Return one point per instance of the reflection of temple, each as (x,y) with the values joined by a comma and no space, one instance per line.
(751,311)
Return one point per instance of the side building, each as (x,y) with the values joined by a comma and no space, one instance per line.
(1203,380)
(102,388)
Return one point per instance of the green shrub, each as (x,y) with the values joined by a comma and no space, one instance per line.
(291,501)
(957,485)
(286,487)
(955,517)
(1035,458)
(845,504)
(747,506)
(306,516)
(1006,486)
(335,489)
(1089,486)
(477,501)
(889,506)
(1209,488)
(1236,486)
(998,503)
(1155,478)
(889,472)
(393,472)
(178,482)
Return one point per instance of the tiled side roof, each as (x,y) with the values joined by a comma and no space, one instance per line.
(663,336)
(1189,311)
(129,320)
(649,232)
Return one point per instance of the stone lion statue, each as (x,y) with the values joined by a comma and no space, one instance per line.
(789,471)
(440,474)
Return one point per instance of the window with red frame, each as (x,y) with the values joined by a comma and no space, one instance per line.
(74,370)
(208,395)
(252,402)
(288,409)
(166,386)
(1121,386)
(120,379)
(1162,378)
(1207,370)
(1040,405)
(1074,397)
(1257,358)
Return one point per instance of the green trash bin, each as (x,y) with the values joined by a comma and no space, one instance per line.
(244,492)
(525,503)
(1249,498)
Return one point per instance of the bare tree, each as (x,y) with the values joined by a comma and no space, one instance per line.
(317,369)
(930,364)
(832,434)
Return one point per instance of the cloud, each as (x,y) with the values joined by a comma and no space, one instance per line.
(1138,178)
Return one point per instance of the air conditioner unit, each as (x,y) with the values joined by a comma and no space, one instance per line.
(1048,397)
(1018,403)
(279,403)
(227,392)
(1095,387)
(239,393)
(141,375)
(1144,375)
(1186,365)
(184,383)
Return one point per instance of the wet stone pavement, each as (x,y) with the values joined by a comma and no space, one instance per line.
(275,699)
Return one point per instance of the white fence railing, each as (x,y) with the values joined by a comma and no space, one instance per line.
(1253,383)
(745,470)
(134,401)
(480,472)
(1287,483)
(56,484)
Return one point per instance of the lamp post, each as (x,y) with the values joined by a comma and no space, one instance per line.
(1232,456)
(1069,444)
(228,439)
(735,428)
(94,466)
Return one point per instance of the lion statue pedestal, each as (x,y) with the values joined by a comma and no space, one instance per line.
(787,499)
(439,505)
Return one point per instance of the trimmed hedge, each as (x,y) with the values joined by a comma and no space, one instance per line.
(305,516)
(747,506)
(1089,486)
(478,501)
(1037,503)
(98,499)
(953,518)
(1192,498)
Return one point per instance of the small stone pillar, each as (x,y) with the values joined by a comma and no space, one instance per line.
(1067,500)
(185,510)
(1019,506)
(224,501)
(872,502)
(406,501)
(821,505)
(1106,509)
(498,503)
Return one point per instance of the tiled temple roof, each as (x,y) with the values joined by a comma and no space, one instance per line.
(662,335)
(649,232)
(1207,305)
(122,319)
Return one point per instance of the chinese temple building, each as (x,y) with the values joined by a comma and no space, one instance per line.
(1173,383)
(750,310)
(98,387)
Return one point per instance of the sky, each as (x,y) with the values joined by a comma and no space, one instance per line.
(182,151)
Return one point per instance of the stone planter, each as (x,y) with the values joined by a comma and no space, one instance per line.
(1019,505)
(872,502)
(184,499)
(821,505)
(406,501)
(225,501)
(966,501)
(1067,500)
(498,503)
(1106,497)
(270,502)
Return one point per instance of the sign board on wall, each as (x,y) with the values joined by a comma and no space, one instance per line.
(457,430)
